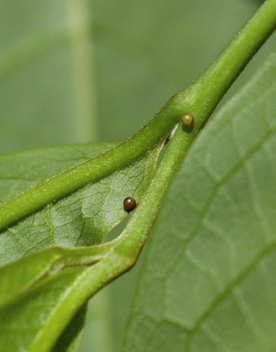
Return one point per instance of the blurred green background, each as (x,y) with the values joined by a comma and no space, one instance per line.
(98,70)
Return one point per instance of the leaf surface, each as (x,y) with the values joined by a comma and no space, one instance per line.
(37,302)
(81,219)
(45,101)
(41,308)
(71,337)
(208,282)
(78,70)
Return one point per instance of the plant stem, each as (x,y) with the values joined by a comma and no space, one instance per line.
(213,84)
(200,99)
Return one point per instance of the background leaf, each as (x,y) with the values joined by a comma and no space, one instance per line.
(138,55)
(208,282)
(124,50)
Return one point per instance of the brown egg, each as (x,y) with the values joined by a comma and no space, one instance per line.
(129,204)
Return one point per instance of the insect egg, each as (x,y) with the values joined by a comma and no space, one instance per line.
(187,120)
(129,204)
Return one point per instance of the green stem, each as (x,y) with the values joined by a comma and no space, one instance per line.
(38,265)
(200,99)
(130,242)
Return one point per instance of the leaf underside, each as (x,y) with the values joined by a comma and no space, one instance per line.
(81,219)
(208,282)
(29,320)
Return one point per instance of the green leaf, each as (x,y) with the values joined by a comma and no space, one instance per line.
(34,319)
(84,217)
(70,339)
(208,282)
(33,297)
(40,309)
(18,277)
(39,94)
